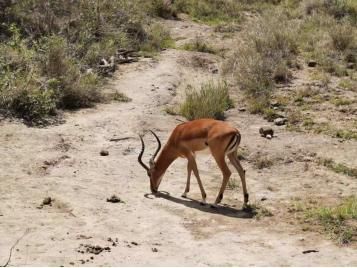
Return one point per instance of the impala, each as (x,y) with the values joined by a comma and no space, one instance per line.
(187,139)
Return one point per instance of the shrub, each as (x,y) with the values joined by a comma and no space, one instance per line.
(263,58)
(162,8)
(210,11)
(211,101)
(157,39)
(50,45)
(342,36)
(199,45)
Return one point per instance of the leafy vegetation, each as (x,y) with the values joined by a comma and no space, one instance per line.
(336,220)
(210,11)
(50,52)
(320,31)
(210,101)
(200,46)
(263,59)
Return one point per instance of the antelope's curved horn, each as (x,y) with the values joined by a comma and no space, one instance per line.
(141,154)
(159,144)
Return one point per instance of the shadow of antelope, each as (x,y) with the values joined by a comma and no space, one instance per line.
(244,213)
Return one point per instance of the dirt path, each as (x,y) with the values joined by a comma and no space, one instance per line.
(64,162)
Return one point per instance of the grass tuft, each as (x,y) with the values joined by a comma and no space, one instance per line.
(338,167)
(210,101)
(335,220)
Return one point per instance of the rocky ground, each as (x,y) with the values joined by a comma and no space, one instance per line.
(77,226)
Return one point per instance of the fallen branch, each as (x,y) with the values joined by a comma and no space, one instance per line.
(180,120)
(120,139)
(13,246)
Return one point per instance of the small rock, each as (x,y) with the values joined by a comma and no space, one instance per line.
(134,243)
(269,137)
(114,199)
(47,201)
(154,250)
(350,65)
(343,110)
(242,109)
(266,131)
(104,153)
(71,263)
(89,71)
(263,198)
(280,121)
(275,104)
(312,63)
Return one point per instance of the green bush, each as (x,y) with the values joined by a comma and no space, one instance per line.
(50,50)
(211,101)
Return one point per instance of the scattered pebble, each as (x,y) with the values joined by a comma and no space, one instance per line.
(87,248)
(47,201)
(280,121)
(263,198)
(104,152)
(154,250)
(114,199)
(350,65)
(312,63)
(310,251)
(266,132)
(134,243)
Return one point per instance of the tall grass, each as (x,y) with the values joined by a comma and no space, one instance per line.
(264,58)
(210,101)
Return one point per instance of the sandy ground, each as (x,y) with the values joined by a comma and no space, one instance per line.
(64,162)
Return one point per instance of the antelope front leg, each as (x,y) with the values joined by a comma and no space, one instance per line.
(187,189)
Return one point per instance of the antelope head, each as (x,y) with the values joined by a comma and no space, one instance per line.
(152,168)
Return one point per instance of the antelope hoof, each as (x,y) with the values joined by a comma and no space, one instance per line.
(215,205)
(219,199)
(184,195)
(246,198)
(247,208)
(203,202)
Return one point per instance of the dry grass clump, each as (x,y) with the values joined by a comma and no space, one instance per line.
(210,101)
(50,51)
(264,58)
(210,11)
(199,45)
